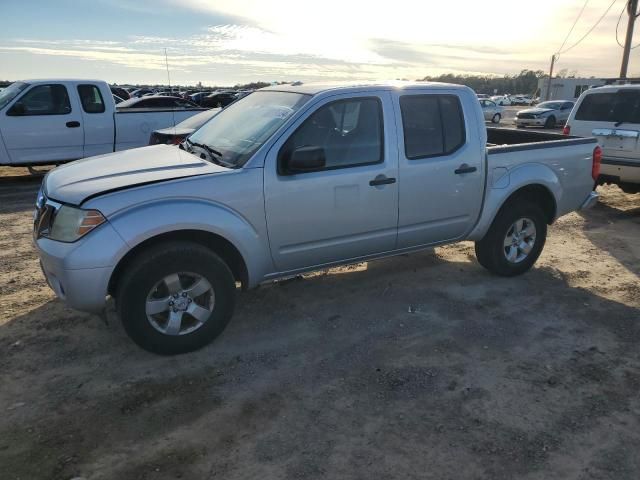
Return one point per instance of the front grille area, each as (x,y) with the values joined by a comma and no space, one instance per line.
(526,115)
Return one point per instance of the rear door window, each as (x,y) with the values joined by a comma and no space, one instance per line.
(433,125)
(43,100)
(620,106)
(91,99)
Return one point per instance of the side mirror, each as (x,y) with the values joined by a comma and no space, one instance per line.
(307,159)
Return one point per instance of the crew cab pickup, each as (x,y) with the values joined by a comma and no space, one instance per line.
(55,121)
(297,178)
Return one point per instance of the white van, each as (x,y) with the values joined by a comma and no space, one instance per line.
(612,115)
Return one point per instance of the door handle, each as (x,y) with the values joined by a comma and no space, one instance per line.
(464,168)
(382,180)
(73,124)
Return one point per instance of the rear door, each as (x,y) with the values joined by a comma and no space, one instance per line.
(347,209)
(441,167)
(97,120)
(43,125)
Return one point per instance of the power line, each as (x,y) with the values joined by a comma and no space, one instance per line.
(591,29)
(574,25)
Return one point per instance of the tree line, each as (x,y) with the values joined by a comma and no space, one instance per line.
(525,82)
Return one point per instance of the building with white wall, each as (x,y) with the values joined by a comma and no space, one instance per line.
(566,88)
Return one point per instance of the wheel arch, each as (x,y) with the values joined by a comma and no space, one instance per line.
(545,192)
(216,243)
(538,194)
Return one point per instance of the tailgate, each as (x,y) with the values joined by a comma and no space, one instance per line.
(618,142)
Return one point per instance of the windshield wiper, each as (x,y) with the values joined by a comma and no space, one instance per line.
(207,148)
(215,155)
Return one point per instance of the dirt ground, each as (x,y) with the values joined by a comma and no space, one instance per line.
(417,367)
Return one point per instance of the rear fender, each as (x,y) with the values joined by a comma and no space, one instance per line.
(503,186)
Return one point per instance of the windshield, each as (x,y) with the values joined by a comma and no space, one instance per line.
(11,92)
(243,127)
(551,105)
(199,119)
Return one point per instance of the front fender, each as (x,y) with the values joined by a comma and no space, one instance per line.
(506,182)
(148,220)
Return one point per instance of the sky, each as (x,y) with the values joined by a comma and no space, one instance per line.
(227,42)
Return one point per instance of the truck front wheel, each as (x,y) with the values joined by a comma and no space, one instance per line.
(175,298)
(550,122)
(515,239)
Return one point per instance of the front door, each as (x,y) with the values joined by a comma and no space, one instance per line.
(43,126)
(347,208)
(441,167)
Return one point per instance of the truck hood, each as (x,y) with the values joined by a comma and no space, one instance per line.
(77,181)
(536,111)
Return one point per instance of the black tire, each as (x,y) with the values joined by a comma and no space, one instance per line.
(148,269)
(550,122)
(496,118)
(490,251)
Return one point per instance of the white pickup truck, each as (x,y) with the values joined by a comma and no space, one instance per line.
(55,121)
(297,178)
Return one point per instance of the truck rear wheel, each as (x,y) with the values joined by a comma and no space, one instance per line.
(515,239)
(176,298)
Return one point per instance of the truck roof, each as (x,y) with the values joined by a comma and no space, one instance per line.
(606,88)
(73,80)
(315,88)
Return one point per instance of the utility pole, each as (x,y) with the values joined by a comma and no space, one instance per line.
(166,61)
(632,8)
(553,62)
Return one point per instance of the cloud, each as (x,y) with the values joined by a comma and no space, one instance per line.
(353,40)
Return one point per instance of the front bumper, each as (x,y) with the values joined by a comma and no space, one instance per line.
(590,201)
(79,272)
(530,122)
(84,290)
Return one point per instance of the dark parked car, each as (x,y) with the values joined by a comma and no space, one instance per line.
(198,97)
(187,94)
(177,134)
(218,99)
(141,92)
(157,102)
(120,92)
(169,93)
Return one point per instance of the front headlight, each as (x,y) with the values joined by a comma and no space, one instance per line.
(71,223)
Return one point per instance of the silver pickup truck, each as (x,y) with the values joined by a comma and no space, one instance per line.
(292,179)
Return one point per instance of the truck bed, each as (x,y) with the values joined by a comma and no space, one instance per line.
(504,140)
